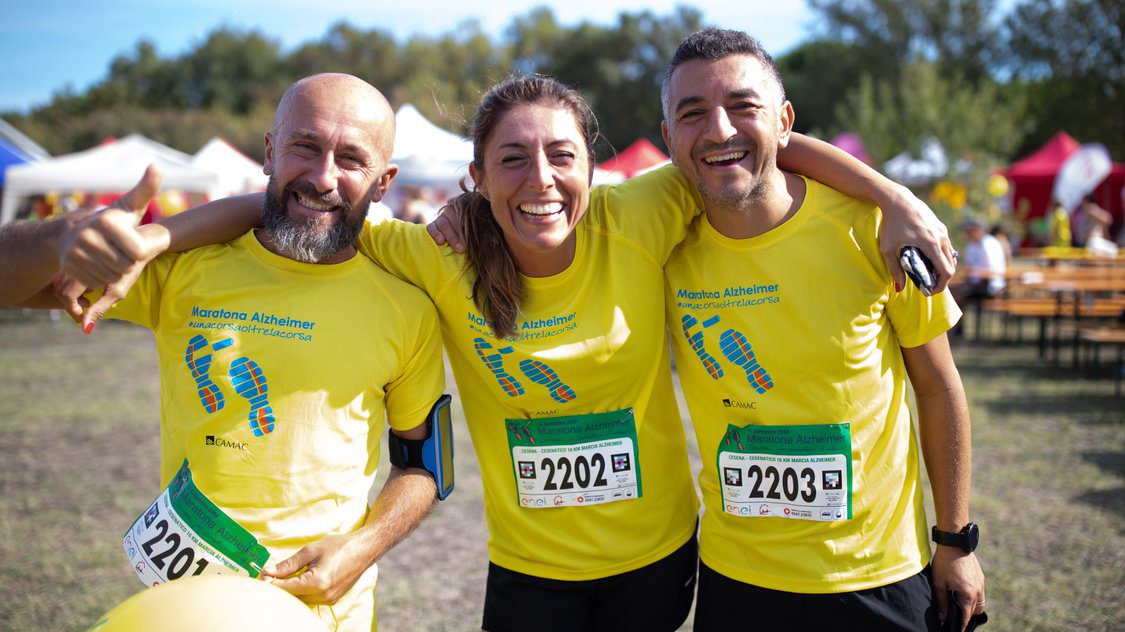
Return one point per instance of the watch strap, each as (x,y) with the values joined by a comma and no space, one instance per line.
(965,539)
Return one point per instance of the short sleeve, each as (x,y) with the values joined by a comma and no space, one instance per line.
(408,252)
(654,209)
(422,379)
(142,304)
(918,319)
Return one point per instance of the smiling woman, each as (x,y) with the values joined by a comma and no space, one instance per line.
(532,169)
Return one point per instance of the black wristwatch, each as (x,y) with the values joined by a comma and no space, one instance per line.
(966,539)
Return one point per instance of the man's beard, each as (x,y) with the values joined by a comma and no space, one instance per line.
(739,200)
(303,241)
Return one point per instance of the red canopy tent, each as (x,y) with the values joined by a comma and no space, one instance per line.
(1033,178)
(637,157)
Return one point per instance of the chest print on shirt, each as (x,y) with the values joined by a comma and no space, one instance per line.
(536,371)
(247,377)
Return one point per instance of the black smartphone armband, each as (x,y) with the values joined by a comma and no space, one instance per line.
(434,453)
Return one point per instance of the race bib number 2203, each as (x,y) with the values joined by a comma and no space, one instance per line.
(800,472)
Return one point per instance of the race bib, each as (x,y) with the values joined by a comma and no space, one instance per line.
(576,460)
(183,533)
(802,472)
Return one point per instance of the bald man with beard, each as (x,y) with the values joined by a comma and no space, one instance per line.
(281,353)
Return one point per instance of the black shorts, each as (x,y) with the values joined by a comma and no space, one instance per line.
(651,598)
(726,604)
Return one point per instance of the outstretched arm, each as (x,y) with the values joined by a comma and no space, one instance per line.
(907,221)
(943,424)
(212,223)
(96,248)
(333,564)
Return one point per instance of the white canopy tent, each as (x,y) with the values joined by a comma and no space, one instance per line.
(427,154)
(111,167)
(238,173)
(931,165)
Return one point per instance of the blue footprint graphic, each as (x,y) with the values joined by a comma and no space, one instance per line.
(494,360)
(250,382)
(737,349)
(200,366)
(541,374)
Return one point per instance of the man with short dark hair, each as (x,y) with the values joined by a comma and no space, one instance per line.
(281,355)
(793,348)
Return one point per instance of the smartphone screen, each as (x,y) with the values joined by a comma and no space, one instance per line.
(446,440)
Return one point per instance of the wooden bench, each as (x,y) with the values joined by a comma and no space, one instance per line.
(1094,339)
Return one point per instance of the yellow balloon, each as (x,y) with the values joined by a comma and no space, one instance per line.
(997,185)
(211,602)
(171,202)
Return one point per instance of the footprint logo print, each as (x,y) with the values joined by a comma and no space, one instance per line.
(541,374)
(200,366)
(695,340)
(493,359)
(249,382)
(737,349)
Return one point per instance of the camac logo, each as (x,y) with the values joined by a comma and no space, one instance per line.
(220,442)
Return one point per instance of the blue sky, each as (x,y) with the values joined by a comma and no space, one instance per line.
(47,47)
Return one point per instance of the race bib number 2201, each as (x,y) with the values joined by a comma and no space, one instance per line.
(183,533)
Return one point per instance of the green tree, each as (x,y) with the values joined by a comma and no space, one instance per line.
(1069,59)
(619,69)
(817,75)
(232,70)
(959,35)
(976,123)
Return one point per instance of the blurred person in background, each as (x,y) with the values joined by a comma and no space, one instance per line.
(1059,234)
(1001,234)
(984,262)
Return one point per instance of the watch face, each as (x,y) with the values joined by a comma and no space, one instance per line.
(972,537)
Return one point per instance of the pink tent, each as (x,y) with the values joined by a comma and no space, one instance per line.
(637,157)
(1033,178)
(852,144)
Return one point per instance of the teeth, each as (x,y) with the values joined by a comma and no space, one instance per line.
(735,155)
(549,208)
(314,205)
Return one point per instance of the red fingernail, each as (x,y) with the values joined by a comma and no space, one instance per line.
(898,286)
(88,327)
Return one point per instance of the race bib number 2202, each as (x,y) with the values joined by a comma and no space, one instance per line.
(575,461)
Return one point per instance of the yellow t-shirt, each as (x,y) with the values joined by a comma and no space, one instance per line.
(275,378)
(591,340)
(788,349)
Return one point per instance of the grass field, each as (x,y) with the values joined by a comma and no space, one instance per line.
(79,445)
